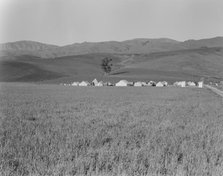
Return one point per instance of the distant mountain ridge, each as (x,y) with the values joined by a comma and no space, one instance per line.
(134,60)
(134,46)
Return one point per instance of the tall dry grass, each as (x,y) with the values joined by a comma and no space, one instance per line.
(56,130)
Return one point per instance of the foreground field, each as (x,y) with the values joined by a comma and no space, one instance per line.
(56,130)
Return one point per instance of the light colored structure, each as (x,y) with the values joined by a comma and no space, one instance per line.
(109,84)
(122,83)
(84,83)
(191,84)
(144,84)
(151,83)
(180,84)
(165,83)
(75,84)
(200,84)
(95,82)
(138,84)
(99,84)
(159,84)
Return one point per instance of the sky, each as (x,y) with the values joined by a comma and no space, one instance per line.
(63,22)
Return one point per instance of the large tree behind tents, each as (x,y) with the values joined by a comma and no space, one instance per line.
(106,65)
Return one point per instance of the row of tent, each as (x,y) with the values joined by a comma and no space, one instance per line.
(125,83)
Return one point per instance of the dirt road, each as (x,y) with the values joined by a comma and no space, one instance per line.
(217,91)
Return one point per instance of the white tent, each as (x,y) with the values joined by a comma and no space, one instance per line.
(122,83)
(138,84)
(159,84)
(190,83)
(165,83)
(75,84)
(99,84)
(84,83)
(180,83)
(151,83)
(109,84)
(144,84)
(94,82)
(200,84)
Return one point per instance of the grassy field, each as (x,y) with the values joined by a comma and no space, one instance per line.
(56,130)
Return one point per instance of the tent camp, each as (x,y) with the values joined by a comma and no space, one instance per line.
(84,83)
(138,84)
(200,84)
(180,83)
(151,83)
(144,84)
(159,84)
(191,84)
(75,84)
(94,82)
(122,83)
(109,84)
(165,83)
(99,84)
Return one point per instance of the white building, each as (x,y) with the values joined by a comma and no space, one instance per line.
(75,84)
(144,84)
(151,83)
(165,83)
(200,84)
(180,84)
(138,84)
(191,84)
(159,84)
(94,82)
(109,84)
(84,83)
(99,84)
(122,83)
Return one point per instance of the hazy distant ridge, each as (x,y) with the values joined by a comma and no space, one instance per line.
(134,46)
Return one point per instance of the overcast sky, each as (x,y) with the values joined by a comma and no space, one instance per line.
(64,22)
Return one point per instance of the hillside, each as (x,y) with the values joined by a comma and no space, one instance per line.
(25,48)
(135,46)
(190,64)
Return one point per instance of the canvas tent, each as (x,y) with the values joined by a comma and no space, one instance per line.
(180,83)
(99,84)
(122,83)
(109,84)
(190,83)
(94,82)
(138,84)
(165,83)
(200,84)
(75,84)
(84,83)
(144,84)
(159,84)
(151,83)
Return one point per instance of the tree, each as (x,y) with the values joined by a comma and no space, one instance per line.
(106,65)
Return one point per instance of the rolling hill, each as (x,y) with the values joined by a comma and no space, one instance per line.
(137,59)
